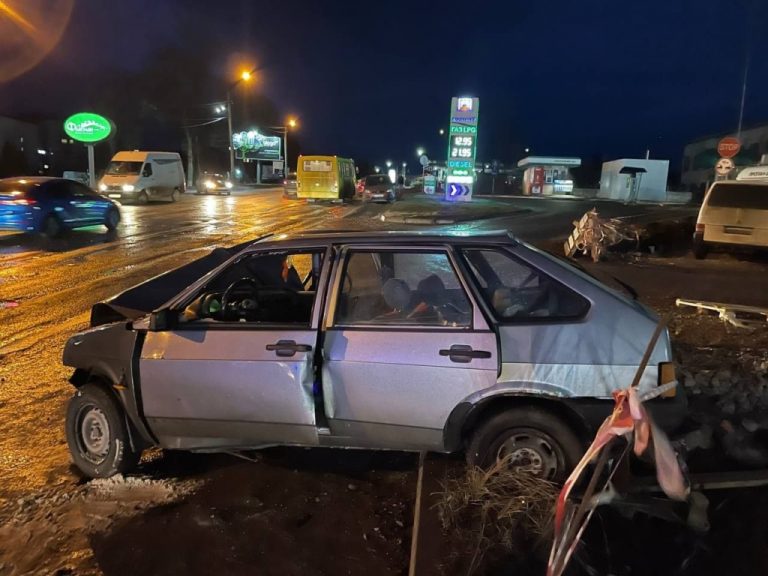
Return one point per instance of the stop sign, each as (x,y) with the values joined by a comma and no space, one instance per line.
(728,147)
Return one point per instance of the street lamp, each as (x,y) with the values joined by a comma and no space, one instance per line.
(245,76)
(389,163)
(527,150)
(292,123)
(419,152)
(441,132)
(376,169)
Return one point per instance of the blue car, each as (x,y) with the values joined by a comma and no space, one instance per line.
(51,205)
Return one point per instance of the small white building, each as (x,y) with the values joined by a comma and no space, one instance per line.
(631,180)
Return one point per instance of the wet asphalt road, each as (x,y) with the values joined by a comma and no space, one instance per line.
(56,282)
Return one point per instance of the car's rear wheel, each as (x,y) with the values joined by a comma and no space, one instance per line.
(112,219)
(529,439)
(97,433)
(143,198)
(51,226)
(700,249)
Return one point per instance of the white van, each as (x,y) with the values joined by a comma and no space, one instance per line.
(734,212)
(143,176)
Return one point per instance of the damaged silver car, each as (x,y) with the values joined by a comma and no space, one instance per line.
(398,341)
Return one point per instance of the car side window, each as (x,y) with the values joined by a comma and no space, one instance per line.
(516,291)
(147,169)
(78,190)
(275,287)
(57,189)
(392,288)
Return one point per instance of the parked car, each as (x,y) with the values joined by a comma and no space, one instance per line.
(289,185)
(208,183)
(399,341)
(379,188)
(51,205)
(734,213)
(136,176)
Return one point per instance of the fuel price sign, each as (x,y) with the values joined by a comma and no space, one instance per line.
(462,147)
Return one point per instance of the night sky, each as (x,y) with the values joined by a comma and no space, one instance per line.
(373,80)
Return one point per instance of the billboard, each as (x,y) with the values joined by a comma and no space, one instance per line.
(253,145)
(462,148)
(88,127)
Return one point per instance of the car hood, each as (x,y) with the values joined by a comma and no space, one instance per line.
(152,294)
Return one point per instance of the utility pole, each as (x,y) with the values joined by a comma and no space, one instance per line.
(230,143)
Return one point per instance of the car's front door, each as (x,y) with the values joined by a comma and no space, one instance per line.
(238,369)
(404,345)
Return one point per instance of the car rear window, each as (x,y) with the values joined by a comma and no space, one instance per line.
(317,165)
(376,180)
(20,186)
(749,196)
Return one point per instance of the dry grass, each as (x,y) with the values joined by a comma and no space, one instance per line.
(500,511)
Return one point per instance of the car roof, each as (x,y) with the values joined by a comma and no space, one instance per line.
(411,237)
(741,182)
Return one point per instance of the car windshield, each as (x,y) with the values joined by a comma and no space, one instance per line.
(123,168)
(748,196)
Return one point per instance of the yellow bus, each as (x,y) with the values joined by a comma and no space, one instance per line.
(325,178)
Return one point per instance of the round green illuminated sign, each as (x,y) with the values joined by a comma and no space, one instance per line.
(87,127)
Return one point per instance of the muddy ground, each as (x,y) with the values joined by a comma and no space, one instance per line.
(329,512)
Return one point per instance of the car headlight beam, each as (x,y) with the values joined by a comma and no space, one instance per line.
(128,188)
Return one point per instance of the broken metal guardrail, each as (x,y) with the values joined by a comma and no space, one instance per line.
(748,317)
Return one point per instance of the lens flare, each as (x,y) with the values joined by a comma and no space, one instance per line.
(29,31)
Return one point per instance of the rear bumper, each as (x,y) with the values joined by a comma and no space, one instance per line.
(17,221)
(758,238)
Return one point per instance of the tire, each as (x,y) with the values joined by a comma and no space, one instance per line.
(51,226)
(143,198)
(107,451)
(112,219)
(700,249)
(534,438)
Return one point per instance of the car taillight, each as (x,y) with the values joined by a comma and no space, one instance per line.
(699,227)
(18,202)
(285,182)
(667,375)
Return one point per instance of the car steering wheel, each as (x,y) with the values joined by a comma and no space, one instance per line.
(249,283)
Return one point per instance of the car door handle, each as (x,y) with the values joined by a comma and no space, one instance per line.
(463,354)
(288,348)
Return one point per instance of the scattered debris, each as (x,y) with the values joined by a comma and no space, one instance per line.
(593,235)
(749,317)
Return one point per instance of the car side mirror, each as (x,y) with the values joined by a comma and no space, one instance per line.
(159,320)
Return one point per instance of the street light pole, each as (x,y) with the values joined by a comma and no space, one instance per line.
(231,144)
(244,77)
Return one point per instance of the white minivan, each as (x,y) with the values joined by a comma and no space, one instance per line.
(735,213)
(143,176)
